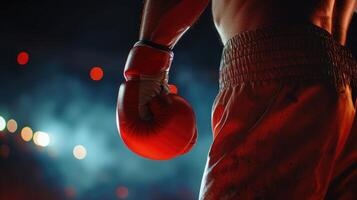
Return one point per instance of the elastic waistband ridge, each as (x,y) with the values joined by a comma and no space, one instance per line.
(286,53)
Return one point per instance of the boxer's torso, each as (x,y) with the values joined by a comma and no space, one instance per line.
(234,16)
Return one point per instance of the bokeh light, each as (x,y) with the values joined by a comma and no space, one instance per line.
(12,126)
(96,73)
(2,123)
(70,192)
(122,192)
(23,58)
(41,139)
(26,134)
(173,89)
(79,152)
(4,151)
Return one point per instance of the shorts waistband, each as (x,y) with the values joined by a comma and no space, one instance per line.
(286,53)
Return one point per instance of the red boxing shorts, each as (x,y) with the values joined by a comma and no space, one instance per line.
(284,119)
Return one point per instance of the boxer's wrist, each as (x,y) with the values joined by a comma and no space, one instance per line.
(145,59)
(153,45)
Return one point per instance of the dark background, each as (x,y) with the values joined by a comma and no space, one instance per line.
(54,93)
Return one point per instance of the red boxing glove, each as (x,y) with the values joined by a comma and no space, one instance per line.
(153,122)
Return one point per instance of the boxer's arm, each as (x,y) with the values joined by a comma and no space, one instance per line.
(154,121)
(165,21)
(342,14)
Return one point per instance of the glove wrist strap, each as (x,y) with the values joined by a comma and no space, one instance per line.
(145,60)
(153,45)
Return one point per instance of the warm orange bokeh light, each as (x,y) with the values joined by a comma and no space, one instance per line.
(122,192)
(23,58)
(12,126)
(26,134)
(96,73)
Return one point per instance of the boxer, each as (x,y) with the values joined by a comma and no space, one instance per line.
(283,120)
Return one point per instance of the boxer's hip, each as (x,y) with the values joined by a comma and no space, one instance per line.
(282,116)
(260,64)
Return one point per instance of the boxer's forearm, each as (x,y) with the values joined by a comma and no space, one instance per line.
(165,21)
(343,11)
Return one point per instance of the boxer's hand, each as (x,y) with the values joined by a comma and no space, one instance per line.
(153,122)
